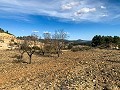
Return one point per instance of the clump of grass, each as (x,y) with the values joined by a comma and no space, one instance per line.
(18,59)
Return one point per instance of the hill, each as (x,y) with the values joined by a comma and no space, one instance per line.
(3,31)
(6,39)
(79,42)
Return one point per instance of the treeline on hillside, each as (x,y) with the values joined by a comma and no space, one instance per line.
(30,37)
(3,31)
(105,41)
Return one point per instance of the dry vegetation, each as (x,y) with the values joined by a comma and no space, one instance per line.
(84,70)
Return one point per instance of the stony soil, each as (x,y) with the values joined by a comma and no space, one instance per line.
(85,70)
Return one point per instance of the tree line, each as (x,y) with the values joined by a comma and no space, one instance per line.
(3,31)
(105,41)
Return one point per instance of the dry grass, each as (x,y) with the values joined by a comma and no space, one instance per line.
(85,70)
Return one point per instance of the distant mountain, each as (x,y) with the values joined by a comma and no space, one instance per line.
(80,42)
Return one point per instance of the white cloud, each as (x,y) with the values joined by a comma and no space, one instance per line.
(35,31)
(73,19)
(66,7)
(72,10)
(70,5)
(104,15)
(85,10)
(103,7)
(47,32)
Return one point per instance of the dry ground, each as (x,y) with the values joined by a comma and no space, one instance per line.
(85,70)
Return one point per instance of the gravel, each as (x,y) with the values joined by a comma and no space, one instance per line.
(87,70)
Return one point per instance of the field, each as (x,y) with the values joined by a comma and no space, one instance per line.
(93,69)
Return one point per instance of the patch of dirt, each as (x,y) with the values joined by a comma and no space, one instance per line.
(85,70)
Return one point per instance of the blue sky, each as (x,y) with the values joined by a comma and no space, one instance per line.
(82,19)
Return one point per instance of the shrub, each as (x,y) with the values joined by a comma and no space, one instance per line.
(75,49)
(70,46)
(18,59)
(78,48)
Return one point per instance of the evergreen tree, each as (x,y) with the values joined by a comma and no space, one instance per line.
(116,40)
(105,40)
(97,40)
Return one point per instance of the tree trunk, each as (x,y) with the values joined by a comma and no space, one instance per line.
(22,55)
(30,58)
(43,53)
(58,54)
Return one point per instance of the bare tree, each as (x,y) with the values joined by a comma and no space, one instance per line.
(30,51)
(22,50)
(54,43)
(59,38)
(29,46)
(47,37)
(47,42)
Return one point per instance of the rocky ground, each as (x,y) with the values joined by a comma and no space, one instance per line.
(85,70)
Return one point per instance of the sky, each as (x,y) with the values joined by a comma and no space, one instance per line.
(80,19)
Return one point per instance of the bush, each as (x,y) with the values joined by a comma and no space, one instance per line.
(36,48)
(75,49)
(70,46)
(18,59)
(47,48)
(78,48)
